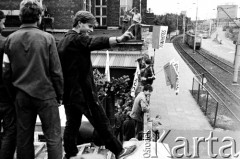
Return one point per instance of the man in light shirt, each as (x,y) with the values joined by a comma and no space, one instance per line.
(137,19)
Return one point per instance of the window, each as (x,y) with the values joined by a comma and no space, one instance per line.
(98,13)
(104,11)
(104,2)
(98,2)
(101,12)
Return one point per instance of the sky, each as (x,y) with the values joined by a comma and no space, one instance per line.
(205,7)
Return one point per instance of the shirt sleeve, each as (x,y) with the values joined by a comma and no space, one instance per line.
(7,73)
(93,43)
(56,70)
(144,106)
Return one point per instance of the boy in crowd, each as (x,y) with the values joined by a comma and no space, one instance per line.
(80,95)
(32,65)
(140,106)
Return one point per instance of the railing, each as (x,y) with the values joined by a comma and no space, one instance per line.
(219,116)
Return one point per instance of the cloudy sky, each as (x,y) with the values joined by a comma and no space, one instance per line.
(205,7)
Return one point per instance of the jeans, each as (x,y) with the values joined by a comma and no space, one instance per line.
(27,109)
(97,117)
(8,136)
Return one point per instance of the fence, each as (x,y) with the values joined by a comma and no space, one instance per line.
(219,116)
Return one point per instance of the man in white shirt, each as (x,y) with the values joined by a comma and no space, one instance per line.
(137,19)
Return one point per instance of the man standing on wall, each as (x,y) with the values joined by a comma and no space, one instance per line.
(80,95)
(137,19)
(32,65)
(7,110)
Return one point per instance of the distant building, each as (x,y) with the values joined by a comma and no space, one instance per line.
(108,12)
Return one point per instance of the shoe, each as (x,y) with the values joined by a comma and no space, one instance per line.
(126,152)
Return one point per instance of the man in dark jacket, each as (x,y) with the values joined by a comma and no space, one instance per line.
(80,95)
(32,65)
(7,110)
(148,73)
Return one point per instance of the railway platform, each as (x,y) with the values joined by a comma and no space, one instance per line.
(181,111)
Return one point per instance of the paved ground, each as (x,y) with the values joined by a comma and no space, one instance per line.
(180,111)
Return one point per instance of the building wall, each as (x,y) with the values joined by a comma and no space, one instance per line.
(63,10)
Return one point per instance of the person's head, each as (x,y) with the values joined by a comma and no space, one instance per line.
(147,89)
(2,20)
(135,10)
(30,11)
(148,62)
(84,21)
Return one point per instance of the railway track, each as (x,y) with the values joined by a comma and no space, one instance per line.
(214,71)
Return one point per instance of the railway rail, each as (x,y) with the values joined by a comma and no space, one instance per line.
(218,74)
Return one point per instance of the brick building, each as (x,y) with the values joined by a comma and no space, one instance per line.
(107,12)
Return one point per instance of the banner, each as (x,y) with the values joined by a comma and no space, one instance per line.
(159,36)
(163,35)
(171,70)
(135,81)
(107,69)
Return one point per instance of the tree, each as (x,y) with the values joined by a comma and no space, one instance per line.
(170,20)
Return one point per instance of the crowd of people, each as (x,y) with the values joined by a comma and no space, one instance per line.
(38,77)
(34,69)
(129,115)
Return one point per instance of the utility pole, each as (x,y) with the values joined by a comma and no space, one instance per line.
(210,28)
(237,60)
(195,34)
(183,27)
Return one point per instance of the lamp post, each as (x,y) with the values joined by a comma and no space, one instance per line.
(195,34)
(177,22)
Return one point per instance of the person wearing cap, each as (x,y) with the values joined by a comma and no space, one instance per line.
(7,110)
(140,106)
(32,65)
(148,73)
(80,95)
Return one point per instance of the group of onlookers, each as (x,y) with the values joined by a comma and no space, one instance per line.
(133,17)
(129,119)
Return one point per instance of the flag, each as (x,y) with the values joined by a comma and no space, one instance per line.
(171,70)
(159,36)
(107,69)
(135,81)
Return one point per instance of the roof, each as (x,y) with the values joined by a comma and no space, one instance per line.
(116,59)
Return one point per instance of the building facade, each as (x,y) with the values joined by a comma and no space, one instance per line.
(108,12)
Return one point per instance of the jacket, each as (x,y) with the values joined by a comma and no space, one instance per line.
(75,55)
(34,63)
(4,94)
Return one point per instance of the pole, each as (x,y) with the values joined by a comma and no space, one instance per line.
(195,35)
(210,28)
(177,26)
(237,60)
(183,27)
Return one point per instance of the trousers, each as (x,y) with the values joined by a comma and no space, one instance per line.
(97,117)
(8,125)
(27,109)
